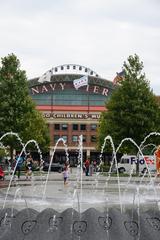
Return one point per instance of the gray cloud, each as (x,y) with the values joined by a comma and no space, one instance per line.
(99,34)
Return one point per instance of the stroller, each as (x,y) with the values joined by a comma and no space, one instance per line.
(1,173)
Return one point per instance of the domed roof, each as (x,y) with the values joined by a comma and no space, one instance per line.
(67,69)
(68,73)
(73,69)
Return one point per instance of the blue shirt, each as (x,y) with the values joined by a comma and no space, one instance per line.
(19,161)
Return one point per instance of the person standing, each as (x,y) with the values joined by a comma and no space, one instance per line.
(1,173)
(29,163)
(65,174)
(87,164)
(94,166)
(19,162)
(157,154)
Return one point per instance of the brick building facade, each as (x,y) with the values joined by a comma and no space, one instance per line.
(71,112)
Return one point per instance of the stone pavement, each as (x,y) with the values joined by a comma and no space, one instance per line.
(51,211)
(94,191)
(49,224)
(74,176)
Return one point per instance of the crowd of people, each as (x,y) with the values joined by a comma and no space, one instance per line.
(15,167)
(88,167)
(27,162)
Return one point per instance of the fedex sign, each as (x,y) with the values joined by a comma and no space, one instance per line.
(135,160)
(131,160)
(146,159)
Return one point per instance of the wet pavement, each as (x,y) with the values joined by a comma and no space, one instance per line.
(94,191)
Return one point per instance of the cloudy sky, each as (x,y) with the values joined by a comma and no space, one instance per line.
(99,34)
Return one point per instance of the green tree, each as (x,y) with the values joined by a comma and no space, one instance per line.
(132,110)
(36,128)
(17,110)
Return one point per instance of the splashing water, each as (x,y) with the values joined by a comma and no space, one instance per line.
(50,164)
(80,165)
(140,151)
(79,193)
(13,134)
(114,159)
(12,176)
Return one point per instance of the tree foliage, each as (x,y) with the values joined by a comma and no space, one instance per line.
(132,111)
(17,110)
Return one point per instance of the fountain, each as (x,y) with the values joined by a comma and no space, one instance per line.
(98,207)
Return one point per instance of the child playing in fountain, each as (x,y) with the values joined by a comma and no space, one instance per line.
(66,174)
(29,163)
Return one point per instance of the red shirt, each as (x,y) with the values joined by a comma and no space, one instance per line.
(87,163)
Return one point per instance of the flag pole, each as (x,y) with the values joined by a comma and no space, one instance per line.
(88,98)
(52,103)
(80,82)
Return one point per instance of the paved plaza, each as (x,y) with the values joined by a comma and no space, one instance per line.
(91,209)
(94,191)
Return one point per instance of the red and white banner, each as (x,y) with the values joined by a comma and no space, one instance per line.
(83,81)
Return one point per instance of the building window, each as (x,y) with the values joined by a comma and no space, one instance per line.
(83,127)
(74,138)
(57,126)
(84,138)
(56,137)
(64,127)
(75,127)
(93,138)
(94,127)
(65,138)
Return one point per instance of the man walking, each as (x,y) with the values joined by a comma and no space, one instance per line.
(87,163)
(19,162)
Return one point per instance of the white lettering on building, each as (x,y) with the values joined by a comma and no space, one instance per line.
(52,86)
(96,89)
(62,85)
(35,90)
(105,91)
(44,89)
(71,115)
(87,88)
